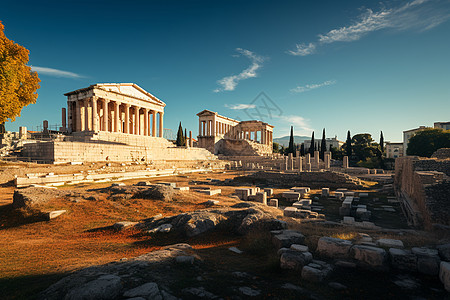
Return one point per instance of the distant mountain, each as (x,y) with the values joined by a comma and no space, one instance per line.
(284,141)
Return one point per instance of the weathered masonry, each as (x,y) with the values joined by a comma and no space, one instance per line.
(112,107)
(222,135)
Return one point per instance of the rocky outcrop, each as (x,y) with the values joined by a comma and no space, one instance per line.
(32,197)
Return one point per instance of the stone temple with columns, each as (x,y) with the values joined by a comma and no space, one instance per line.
(222,135)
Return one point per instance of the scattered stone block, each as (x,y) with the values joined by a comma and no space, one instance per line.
(273,202)
(261,197)
(243,193)
(444,251)
(268,191)
(364,238)
(339,195)
(390,243)
(315,272)
(295,260)
(291,196)
(290,211)
(349,220)
(55,214)
(210,192)
(249,292)
(333,247)
(185,259)
(341,190)
(363,195)
(371,257)
(164,228)
(212,202)
(285,238)
(301,248)
(172,184)
(403,259)
(444,275)
(235,250)
(427,260)
(182,188)
(124,225)
(301,190)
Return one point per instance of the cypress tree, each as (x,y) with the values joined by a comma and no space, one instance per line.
(180,138)
(312,147)
(348,145)
(302,149)
(291,148)
(323,145)
(185,137)
(382,142)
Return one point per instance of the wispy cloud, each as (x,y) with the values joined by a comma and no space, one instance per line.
(303,49)
(240,106)
(301,125)
(308,87)
(229,83)
(420,15)
(55,72)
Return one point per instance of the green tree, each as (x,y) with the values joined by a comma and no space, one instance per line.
(348,145)
(302,149)
(18,83)
(185,137)
(312,147)
(291,147)
(337,153)
(323,145)
(180,138)
(363,146)
(382,143)
(276,147)
(425,142)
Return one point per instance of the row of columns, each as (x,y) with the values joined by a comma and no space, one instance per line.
(113,116)
(211,128)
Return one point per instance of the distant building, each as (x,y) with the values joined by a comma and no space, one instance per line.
(393,150)
(334,142)
(442,125)
(407,134)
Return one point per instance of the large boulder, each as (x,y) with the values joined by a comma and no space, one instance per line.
(148,290)
(444,251)
(333,247)
(156,192)
(32,197)
(316,271)
(370,257)
(103,288)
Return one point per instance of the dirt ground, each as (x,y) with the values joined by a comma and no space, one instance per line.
(35,254)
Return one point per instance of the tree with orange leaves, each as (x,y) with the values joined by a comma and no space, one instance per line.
(18,83)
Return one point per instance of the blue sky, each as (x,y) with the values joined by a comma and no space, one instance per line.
(360,65)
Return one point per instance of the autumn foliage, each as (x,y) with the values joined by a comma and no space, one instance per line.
(18,83)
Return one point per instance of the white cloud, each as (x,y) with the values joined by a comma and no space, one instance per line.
(303,49)
(55,72)
(229,83)
(308,87)
(301,125)
(369,22)
(420,15)
(240,106)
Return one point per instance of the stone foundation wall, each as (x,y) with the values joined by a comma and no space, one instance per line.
(104,151)
(443,153)
(314,180)
(231,147)
(423,188)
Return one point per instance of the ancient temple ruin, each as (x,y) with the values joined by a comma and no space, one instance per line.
(223,135)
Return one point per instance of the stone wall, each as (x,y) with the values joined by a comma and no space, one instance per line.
(314,180)
(422,185)
(55,151)
(235,147)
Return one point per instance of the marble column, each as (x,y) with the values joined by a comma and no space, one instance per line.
(94,114)
(116,117)
(78,118)
(200,123)
(126,128)
(105,115)
(153,123)
(136,120)
(213,129)
(161,129)
(145,121)
(86,114)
